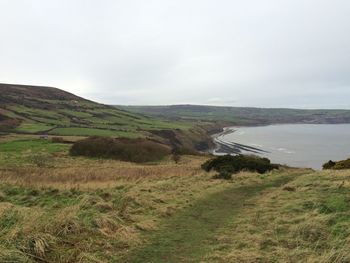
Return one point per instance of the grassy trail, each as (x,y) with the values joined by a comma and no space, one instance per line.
(188,236)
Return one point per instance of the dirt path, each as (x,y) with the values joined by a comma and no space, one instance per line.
(187,236)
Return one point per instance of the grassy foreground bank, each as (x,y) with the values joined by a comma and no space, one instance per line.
(91,210)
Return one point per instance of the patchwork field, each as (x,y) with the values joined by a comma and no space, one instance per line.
(244,116)
(38,110)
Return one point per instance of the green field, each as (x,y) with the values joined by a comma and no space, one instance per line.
(28,151)
(33,127)
(242,115)
(89,121)
(35,110)
(91,132)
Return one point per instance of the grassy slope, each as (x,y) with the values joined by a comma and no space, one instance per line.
(22,151)
(310,224)
(89,210)
(31,109)
(190,234)
(243,116)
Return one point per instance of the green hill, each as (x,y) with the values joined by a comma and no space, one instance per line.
(55,207)
(37,110)
(46,110)
(243,115)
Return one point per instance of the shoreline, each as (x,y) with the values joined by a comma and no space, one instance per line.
(232,148)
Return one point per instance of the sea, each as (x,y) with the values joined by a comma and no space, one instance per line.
(296,145)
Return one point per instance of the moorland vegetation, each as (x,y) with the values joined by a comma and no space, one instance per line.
(82,209)
(63,200)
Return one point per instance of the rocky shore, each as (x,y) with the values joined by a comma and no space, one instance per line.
(223,147)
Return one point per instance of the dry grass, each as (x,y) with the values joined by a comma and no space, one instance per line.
(91,174)
(14,136)
(88,210)
(291,226)
(91,210)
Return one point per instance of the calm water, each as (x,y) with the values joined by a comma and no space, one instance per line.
(300,145)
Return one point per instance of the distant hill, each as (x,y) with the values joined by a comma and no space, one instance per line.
(30,94)
(243,116)
(37,110)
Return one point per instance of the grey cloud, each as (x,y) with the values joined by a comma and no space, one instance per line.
(272,53)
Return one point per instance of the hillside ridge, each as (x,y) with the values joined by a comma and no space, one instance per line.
(28,109)
(36,109)
(245,116)
(11,92)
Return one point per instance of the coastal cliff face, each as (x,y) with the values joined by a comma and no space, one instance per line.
(195,139)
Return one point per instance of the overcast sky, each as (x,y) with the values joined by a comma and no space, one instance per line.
(269,53)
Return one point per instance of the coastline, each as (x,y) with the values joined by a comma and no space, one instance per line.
(223,147)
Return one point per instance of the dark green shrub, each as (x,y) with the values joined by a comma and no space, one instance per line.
(329,165)
(237,163)
(131,150)
(341,165)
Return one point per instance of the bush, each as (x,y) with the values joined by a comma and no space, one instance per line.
(329,165)
(131,150)
(176,158)
(234,164)
(176,155)
(341,165)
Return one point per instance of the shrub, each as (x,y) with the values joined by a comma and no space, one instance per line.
(176,158)
(131,150)
(345,164)
(176,155)
(341,165)
(234,164)
(329,165)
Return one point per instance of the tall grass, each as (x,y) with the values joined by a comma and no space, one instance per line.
(97,210)
(94,211)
